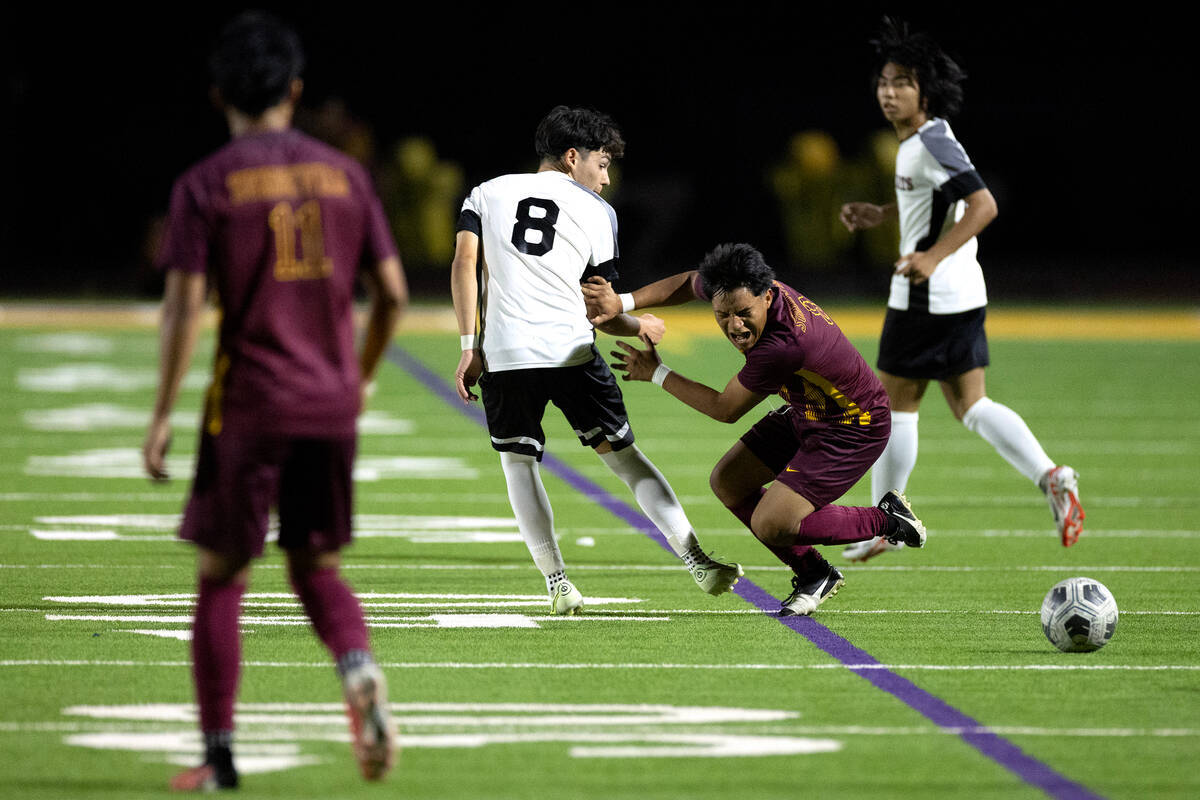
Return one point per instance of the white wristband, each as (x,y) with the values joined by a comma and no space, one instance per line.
(627,303)
(467,341)
(660,374)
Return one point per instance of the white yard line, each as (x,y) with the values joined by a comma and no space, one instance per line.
(635,666)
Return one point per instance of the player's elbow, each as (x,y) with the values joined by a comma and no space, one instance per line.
(726,415)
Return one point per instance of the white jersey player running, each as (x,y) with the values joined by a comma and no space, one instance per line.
(525,242)
(934,328)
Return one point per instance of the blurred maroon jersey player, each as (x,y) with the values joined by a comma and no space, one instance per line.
(834,424)
(277,224)
(280,222)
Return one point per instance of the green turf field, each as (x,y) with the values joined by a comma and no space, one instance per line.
(659,691)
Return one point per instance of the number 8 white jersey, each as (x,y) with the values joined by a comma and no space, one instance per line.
(542,233)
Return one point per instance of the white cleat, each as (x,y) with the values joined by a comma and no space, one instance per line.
(868,549)
(565,599)
(371,732)
(1061,486)
(715,577)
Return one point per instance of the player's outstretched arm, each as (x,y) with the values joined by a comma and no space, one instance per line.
(389,297)
(860,216)
(182,310)
(728,405)
(603,303)
(465,292)
(646,325)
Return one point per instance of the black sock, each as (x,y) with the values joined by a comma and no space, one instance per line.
(218,754)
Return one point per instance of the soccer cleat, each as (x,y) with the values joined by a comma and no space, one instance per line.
(909,530)
(714,576)
(808,594)
(1062,493)
(205,778)
(869,548)
(371,733)
(565,599)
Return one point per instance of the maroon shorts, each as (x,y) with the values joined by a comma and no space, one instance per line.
(239,478)
(818,461)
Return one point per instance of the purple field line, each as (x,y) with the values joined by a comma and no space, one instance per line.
(857,660)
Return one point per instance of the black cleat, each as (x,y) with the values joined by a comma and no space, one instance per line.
(807,594)
(909,530)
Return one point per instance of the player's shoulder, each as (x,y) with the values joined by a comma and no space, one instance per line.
(938,138)
(571,197)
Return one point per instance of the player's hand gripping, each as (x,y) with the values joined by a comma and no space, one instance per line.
(154,448)
(470,365)
(651,327)
(917,267)
(860,216)
(602,302)
(638,365)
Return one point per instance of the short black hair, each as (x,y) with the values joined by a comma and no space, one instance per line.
(729,267)
(254,61)
(582,128)
(939,78)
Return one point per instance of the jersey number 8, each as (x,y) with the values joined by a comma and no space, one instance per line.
(543,224)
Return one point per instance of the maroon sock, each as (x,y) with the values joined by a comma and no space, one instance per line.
(803,559)
(333,609)
(745,509)
(842,525)
(217,652)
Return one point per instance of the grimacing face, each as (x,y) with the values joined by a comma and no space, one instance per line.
(742,315)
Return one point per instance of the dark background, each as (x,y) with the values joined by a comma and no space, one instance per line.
(1075,119)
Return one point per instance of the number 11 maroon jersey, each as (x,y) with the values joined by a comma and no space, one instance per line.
(280,222)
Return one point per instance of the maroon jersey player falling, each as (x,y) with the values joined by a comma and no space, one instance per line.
(277,224)
(834,424)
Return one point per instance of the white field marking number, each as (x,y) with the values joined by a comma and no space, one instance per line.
(271,736)
(433,529)
(169,616)
(126,462)
(107,416)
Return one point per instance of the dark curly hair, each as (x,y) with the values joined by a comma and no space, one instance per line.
(729,267)
(582,128)
(939,78)
(254,61)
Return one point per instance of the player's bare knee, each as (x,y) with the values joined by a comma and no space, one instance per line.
(771,529)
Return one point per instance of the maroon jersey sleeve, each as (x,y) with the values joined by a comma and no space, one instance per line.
(769,365)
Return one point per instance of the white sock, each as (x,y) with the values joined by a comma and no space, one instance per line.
(655,497)
(898,459)
(531,506)
(1004,430)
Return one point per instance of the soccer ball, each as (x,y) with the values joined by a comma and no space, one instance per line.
(1079,615)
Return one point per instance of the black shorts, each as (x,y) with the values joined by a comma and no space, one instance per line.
(916,344)
(588,395)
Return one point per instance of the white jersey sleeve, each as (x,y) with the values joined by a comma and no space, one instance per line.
(541,234)
(933,175)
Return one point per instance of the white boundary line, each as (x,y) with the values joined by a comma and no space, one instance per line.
(802,730)
(639,666)
(1063,568)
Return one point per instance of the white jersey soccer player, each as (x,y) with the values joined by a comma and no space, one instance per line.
(538,229)
(533,238)
(934,327)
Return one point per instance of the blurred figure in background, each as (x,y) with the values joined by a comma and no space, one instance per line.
(934,329)
(276,222)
